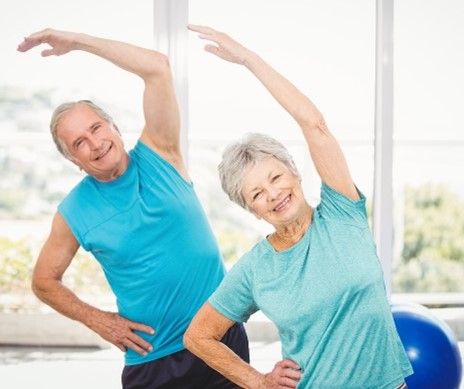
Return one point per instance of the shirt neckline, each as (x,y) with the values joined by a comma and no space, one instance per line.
(288,250)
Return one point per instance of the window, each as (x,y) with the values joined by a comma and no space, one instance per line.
(34,177)
(326,48)
(429,147)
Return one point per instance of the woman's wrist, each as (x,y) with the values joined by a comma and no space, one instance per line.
(250,59)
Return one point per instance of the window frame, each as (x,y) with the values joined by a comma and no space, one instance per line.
(170,19)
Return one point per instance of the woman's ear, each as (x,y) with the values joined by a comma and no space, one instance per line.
(254,213)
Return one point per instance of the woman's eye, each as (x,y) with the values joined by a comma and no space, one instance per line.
(276,177)
(258,194)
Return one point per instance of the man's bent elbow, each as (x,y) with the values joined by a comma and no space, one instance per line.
(40,285)
(37,286)
(159,67)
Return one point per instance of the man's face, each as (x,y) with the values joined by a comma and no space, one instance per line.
(92,143)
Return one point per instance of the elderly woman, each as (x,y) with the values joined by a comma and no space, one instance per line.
(317,276)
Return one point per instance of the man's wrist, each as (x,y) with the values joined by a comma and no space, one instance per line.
(250,59)
(257,382)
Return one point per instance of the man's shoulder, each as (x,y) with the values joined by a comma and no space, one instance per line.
(80,192)
(165,163)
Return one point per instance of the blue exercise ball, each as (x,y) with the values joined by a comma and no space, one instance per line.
(431,347)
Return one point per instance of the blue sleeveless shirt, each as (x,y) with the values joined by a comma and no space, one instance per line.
(150,234)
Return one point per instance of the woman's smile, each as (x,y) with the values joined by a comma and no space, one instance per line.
(283,205)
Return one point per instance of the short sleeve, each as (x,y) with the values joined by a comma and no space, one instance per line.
(73,209)
(72,226)
(234,298)
(335,205)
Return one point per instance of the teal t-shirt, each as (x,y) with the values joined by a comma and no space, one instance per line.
(151,236)
(326,296)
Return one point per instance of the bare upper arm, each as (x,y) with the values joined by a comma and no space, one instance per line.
(208,323)
(162,121)
(57,252)
(329,160)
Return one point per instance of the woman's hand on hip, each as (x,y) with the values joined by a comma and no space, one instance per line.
(285,374)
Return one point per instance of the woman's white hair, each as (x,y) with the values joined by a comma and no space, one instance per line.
(238,156)
(66,107)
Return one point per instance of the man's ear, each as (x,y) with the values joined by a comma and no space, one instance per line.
(116,128)
(74,161)
(77,164)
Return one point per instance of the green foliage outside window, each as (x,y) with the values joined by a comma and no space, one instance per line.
(433,247)
(432,256)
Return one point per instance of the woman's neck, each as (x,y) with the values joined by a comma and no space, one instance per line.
(287,235)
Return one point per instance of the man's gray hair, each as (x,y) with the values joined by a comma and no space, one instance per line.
(66,107)
(238,156)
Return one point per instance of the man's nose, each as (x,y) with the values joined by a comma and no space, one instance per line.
(94,142)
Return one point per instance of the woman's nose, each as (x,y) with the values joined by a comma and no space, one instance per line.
(273,193)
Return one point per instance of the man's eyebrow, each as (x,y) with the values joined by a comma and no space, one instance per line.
(92,126)
(74,144)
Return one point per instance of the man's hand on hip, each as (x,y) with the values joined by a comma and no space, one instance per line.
(120,332)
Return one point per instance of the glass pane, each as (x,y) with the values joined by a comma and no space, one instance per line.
(429,146)
(34,177)
(326,48)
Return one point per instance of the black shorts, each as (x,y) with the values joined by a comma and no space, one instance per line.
(185,370)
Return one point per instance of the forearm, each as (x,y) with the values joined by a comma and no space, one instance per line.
(221,358)
(140,61)
(299,106)
(64,301)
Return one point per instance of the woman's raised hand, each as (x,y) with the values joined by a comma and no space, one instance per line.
(225,47)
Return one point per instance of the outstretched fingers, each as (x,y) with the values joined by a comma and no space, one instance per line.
(203,30)
(61,42)
(223,45)
(33,40)
(212,49)
(28,44)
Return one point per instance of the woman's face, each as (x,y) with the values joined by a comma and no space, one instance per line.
(272,192)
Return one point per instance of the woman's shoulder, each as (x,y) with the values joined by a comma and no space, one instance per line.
(258,254)
(254,253)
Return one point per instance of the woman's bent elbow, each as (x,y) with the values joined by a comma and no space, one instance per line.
(189,340)
(194,341)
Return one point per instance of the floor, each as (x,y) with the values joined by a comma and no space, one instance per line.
(53,368)
(57,368)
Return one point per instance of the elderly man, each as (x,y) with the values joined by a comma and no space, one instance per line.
(138,214)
